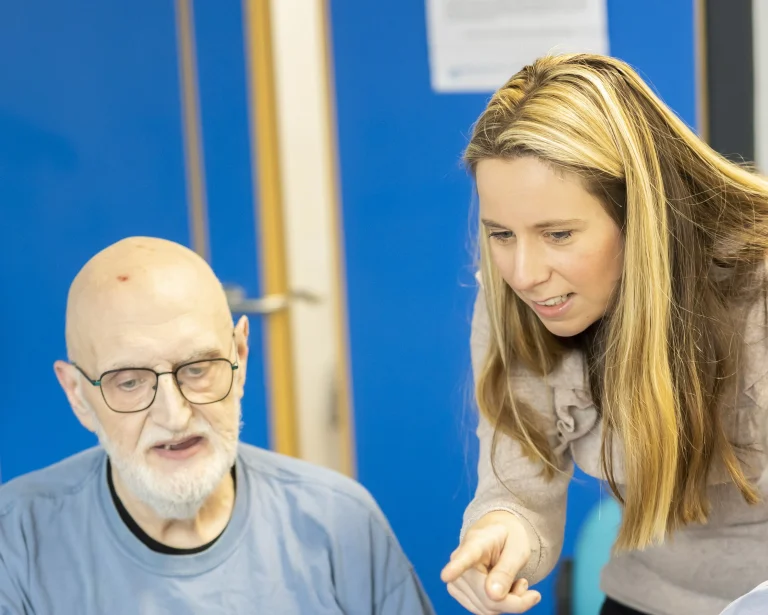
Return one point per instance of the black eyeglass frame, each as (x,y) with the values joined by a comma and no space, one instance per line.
(173,372)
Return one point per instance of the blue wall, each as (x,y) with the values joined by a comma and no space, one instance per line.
(406,204)
(91,151)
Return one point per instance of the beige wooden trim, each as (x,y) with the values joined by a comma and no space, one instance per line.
(268,202)
(348,458)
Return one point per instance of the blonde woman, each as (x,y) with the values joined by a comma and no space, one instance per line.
(621,326)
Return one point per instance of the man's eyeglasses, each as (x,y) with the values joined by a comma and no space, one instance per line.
(133,389)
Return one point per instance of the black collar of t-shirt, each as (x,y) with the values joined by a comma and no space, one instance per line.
(150,542)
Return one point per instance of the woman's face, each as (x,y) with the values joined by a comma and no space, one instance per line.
(552,241)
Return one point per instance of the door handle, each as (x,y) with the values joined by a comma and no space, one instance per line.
(240,303)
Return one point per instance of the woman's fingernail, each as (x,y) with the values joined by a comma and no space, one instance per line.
(496,588)
(524,584)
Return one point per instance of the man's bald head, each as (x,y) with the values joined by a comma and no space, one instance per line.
(142,281)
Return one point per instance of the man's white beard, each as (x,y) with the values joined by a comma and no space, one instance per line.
(179,495)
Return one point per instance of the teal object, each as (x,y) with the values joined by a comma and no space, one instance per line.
(591,553)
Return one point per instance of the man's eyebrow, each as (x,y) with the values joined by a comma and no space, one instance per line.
(197,355)
(201,355)
(115,365)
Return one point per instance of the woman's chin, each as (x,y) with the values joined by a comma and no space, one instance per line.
(568,327)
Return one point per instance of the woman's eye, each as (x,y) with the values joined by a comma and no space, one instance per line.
(558,236)
(501,235)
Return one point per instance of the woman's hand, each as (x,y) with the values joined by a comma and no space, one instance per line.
(482,571)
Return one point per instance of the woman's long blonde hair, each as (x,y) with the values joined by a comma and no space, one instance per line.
(695,230)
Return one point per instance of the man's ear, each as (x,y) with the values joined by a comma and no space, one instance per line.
(70,380)
(241,346)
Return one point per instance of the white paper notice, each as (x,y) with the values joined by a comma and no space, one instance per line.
(477,45)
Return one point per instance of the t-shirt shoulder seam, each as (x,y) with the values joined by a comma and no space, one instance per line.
(61,492)
(294,477)
(371,507)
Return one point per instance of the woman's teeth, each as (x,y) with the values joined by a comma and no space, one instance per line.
(554,300)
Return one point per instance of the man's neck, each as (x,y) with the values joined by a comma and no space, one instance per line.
(209,522)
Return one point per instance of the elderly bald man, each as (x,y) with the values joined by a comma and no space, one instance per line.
(171,514)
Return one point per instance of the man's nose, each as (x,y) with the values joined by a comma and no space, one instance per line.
(170,409)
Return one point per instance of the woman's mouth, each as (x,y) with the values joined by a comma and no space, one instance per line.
(554,300)
(554,307)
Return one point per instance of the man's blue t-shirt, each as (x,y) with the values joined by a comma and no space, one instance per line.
(302,539)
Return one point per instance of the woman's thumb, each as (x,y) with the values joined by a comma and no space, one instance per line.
(504,572)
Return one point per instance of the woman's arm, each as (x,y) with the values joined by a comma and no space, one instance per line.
(539,503)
